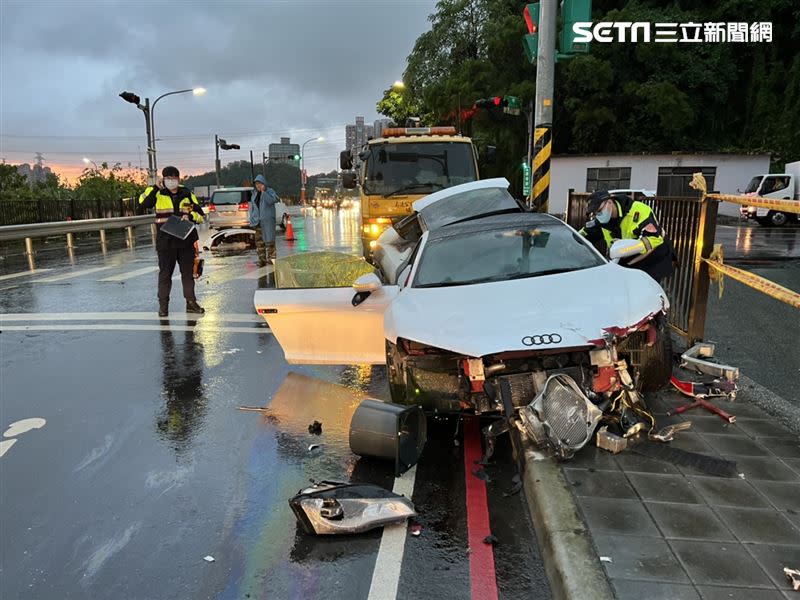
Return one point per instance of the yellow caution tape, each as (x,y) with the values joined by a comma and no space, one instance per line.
(699,183)
(754,281)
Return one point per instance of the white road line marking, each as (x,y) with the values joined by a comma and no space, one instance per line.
(130,274)
(23,274)
(261,272)
(386,575)
(130,327)
(125,316)
(73,274)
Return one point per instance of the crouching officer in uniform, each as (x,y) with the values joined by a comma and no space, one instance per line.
(618,217)
(169,198)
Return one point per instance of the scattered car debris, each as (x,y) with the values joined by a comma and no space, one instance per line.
(695,357)
(516,486)
(606,559)
(481,474)
(610,441)
(793,575)
(315,428)
(667,434)
(209,558)
(253,408)
(329,507)
(491,539)
(232,351)
(312,447)
(390,431)
(701,392)
(415,529)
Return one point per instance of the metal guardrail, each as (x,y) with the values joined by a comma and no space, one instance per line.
(691,224)
(38,230)
(20,212)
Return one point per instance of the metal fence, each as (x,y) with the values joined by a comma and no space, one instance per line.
(690,223)
(20,212)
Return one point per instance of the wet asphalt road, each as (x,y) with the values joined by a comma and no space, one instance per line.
(145,465)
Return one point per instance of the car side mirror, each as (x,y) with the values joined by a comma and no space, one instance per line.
(349,181)
(364,286)
(345,160)
(623,248)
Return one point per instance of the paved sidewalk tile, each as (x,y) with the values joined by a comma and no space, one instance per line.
(628,589)
(782,446)
(621,517)
(693,442)
(688,521)
(794,464)
(758,525)
(760,428)
(773,558)
(640,558)
(713,425)
(599,484)
(766,469)
(664,488)
(720,563)
(592,457)
(732,447)
(630,462)
(785,496)
(713,592)
(719,491)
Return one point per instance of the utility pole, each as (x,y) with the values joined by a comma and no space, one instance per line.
(252,169)
(543,107)
(216,160)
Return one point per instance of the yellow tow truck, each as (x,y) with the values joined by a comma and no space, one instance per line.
(402,166)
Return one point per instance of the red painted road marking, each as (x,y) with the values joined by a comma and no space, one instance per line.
(481,557)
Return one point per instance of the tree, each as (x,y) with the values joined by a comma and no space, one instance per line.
(13,185)
(109,183)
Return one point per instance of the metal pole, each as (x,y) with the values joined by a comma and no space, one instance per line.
(252,169)
(264,165)
(153,135)
(216,161)
(151,150)
(103,237)
(543,115)
(303,173)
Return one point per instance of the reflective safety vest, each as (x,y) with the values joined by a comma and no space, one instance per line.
(165,203)
(637,222)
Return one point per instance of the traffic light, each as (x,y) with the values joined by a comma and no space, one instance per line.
(531,40)
(510,104)
(574,11)
(130,97)
(226,146)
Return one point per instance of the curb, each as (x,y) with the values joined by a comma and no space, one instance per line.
(570,560)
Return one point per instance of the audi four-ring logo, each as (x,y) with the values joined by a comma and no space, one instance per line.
(541,340)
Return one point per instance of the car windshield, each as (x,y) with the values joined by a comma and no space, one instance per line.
(502,254)
(418,168)
(753,185)
(229,197)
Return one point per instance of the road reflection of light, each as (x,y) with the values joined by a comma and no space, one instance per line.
(744,239)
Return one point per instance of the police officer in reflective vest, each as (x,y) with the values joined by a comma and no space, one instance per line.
(169,198)
(618,217)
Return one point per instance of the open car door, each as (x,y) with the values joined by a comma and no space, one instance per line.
(327,326)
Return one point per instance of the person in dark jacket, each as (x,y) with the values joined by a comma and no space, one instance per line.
(262,218)
(168,198)
(619,217)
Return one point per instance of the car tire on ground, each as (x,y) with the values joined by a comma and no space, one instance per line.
(777,218)
(655,362)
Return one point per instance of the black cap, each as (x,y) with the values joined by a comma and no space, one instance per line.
(170,172)
(595,200)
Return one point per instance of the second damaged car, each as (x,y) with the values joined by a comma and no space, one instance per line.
(485,311)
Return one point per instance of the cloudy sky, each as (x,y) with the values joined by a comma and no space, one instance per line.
(272,68)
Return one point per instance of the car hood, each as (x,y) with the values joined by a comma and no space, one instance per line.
(574,308)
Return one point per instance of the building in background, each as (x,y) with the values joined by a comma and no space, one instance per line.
(284,151)
(379,126)
(356,136)
(666,174)
(37,173)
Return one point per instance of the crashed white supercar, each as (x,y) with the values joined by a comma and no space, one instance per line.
(478,310)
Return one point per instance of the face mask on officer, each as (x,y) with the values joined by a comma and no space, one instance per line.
(171,183)
(604,215)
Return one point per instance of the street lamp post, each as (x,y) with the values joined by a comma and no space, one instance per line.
(303,167)
(147,109)
(86,161)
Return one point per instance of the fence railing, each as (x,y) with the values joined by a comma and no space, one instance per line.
(690,224)
(19,212)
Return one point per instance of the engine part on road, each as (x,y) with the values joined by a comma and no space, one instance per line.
(610,441)
(328,508)
(695,357)
(667,434)
(391,431)
(568,416)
